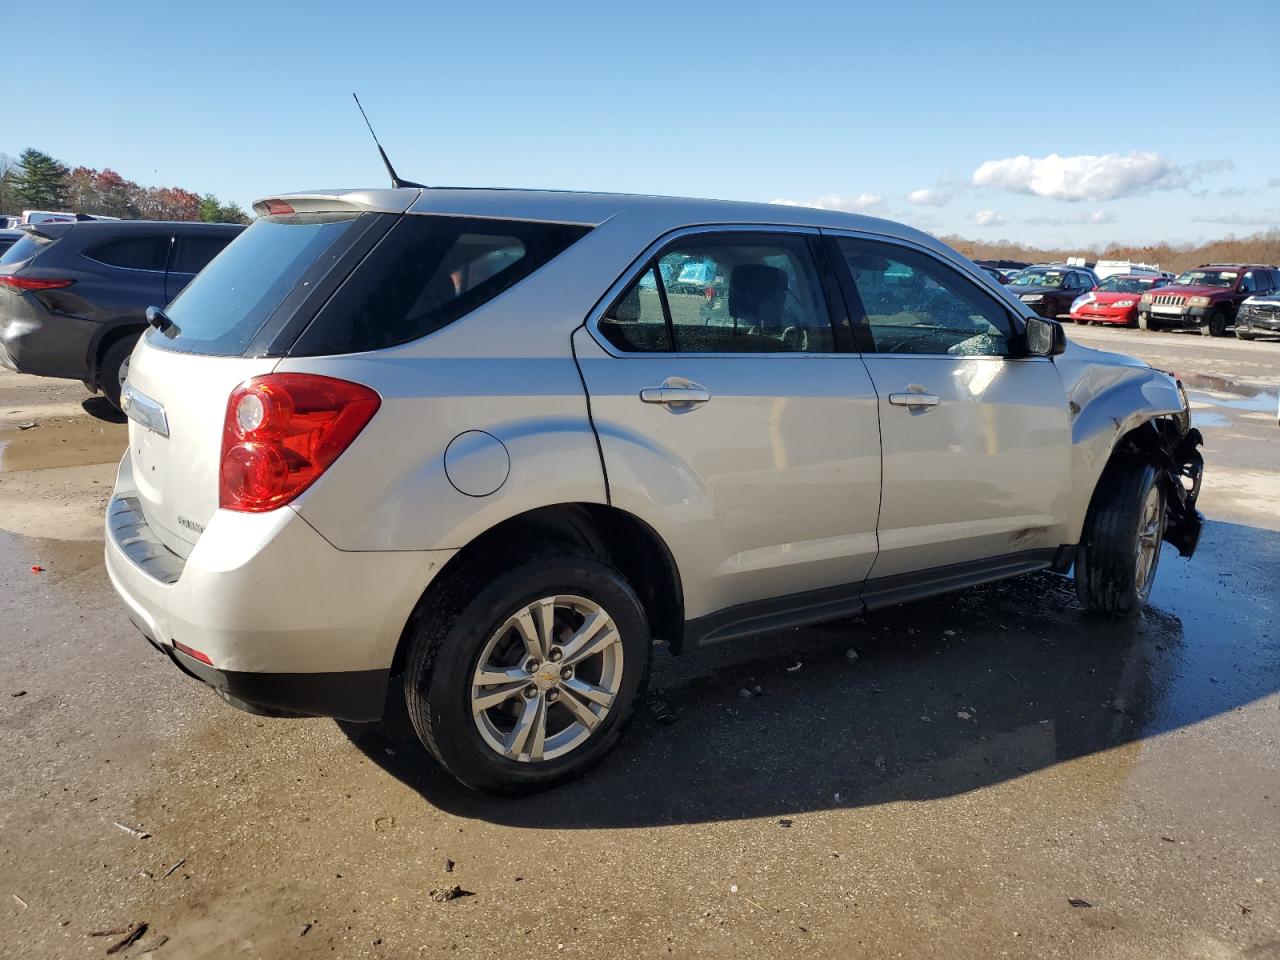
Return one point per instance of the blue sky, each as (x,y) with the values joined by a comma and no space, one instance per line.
(1130,123)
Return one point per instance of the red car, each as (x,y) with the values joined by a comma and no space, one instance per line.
(1115,299)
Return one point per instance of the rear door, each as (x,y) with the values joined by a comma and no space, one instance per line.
(731,420)
(977,441)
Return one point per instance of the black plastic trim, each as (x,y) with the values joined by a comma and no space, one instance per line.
(847,600)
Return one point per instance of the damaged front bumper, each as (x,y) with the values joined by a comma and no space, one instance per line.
(1183,469)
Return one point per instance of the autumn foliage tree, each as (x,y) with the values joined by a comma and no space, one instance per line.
(106,193)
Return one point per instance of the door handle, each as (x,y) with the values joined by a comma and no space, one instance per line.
(914,399)
(674,395)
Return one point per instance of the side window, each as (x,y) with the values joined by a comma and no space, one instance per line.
(1248,283)
(725,293)
(636,322)
(194,253)
(915,304)
(146,252)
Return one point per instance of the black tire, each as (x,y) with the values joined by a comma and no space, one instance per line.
(113,358)
(1144,322)
(1107,559)
(1215,325)
(1244,334)
(453,632)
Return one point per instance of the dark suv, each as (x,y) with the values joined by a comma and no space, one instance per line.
(1206,297)
(1049,289)
(73,296)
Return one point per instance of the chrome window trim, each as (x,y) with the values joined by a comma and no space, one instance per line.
(641,262)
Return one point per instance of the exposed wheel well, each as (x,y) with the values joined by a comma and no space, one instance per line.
(612,535)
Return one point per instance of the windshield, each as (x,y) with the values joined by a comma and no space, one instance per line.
(1125,284)
(231,299)
(1209,278)
(1038,278)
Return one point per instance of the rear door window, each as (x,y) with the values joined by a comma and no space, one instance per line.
(146,252)
(425,273)
(193,253)
(221,311)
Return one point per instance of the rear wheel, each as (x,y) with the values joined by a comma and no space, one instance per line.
(1120,547)
(114,368)
(1215,325)
(534,679)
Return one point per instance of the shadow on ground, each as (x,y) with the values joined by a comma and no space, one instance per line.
(944,696)
(100,408)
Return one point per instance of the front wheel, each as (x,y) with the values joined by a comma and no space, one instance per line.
(534,679)
(1120,547)
(1215,325)
(1244,334)
(1144,322)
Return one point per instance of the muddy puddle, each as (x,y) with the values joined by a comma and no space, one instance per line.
(1218,391)
(61,442)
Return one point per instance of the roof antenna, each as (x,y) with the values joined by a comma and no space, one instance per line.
(395,178)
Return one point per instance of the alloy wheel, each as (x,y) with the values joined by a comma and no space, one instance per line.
(1150,533)
(547,678)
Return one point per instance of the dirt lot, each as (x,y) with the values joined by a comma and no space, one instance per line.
(994,774)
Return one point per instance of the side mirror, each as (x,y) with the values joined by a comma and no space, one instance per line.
(1045,338)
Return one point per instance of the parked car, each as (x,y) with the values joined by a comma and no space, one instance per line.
(73,295)
(46,216)
(1131,268)
(1006,267)
(1206,297)
(9,221)
(354,461)
(8,238)
(1050,289)
(995,273)
(1115,300)
(1259,316)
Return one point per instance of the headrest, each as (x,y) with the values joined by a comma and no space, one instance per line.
(756,291)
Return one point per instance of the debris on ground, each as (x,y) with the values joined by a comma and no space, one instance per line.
(1078,903)
(19,901)
(880,761)
(926,718)
(758,690)
(964,714)
(132,831)
(744,693)
(1168,840)
(30,424)
(18,693)
(133,936)
(785,822)
(36,568)
(795,667)
(173,868)
(851,654)
(109,933)
(305,928)
(835,798)
(948,633)
(448,865)
(449,893)
(382,824)
(1245,909)
(733,888)
(1009,674)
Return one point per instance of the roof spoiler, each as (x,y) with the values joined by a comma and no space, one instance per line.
(49,230)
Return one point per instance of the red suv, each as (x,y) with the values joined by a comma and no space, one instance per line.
(1206,297)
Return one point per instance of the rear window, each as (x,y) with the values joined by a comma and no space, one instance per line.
(228,303)
(26,247)
(427,272)
(148,252)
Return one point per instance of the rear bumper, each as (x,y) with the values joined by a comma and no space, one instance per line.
(289,623)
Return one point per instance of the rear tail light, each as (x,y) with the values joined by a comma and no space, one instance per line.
(23,284)
(282,431)
(192,652)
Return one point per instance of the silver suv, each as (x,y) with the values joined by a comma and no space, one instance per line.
(493,445)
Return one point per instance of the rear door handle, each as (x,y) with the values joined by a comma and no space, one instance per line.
(914,399)
(676,395)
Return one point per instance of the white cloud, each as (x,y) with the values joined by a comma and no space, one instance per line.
(1268,218)
(1089,176)
(1096,216)
(988,218)
(861,203)
(929,197)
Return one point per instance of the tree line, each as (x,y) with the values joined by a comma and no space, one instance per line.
(36,181)
(1261,248)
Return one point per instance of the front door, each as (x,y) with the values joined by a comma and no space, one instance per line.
(730,422)
(977,441)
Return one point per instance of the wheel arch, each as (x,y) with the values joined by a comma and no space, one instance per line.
(602,531)
(110,334)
